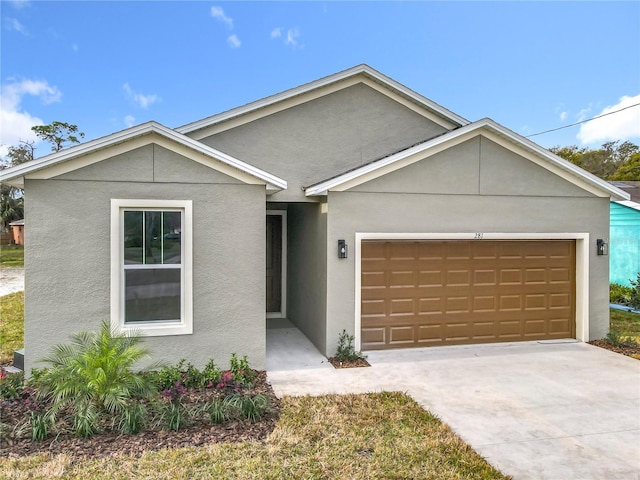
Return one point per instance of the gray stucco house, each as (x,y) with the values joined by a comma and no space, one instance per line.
(351,202)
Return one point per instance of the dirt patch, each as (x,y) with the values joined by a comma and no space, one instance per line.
(359,362)
(109,444)
(630,350)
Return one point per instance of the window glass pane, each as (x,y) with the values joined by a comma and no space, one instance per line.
(152,295)
(172,224)
(153,237)
(132,237)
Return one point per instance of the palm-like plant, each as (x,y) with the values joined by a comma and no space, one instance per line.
(94,375)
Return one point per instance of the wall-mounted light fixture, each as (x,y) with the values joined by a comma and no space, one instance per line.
(602,246)
(343,249)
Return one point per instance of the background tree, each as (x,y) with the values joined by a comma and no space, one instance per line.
(12,198)
(59,135)
(629,170)
(609,162)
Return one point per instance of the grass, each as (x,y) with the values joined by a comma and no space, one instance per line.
(627,324)
(11,325)
(376,435)
(12,256)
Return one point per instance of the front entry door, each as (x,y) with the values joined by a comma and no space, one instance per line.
(274,264)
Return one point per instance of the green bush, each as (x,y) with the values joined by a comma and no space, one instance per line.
(10,385)
(186,374)
(634,298)
(346,351)
(94,375)
(252,408)
(620,294)
(240,369)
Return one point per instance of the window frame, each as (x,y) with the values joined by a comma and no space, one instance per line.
(152,328)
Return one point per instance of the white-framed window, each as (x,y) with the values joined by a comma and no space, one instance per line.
(151,266)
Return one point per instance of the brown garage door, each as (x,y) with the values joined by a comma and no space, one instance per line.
(423,293)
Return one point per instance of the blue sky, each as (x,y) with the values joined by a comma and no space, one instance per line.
(531,66)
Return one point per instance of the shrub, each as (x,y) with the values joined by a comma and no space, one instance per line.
(93,375)
(240,369)
(614,338)
(346,351)
(133,417)
(10,385)
(634,297)
(210,374)
(250,407)
(620,294)
(188,375)
(217,410)
(168,375)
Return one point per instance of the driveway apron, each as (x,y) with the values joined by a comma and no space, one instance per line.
(534,410)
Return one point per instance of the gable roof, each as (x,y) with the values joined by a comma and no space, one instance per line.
(280,101)
(231,166)
(632,187)
(486,126)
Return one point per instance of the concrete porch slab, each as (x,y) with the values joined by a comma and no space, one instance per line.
(288,349)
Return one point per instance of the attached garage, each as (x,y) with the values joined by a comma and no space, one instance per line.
(418,293)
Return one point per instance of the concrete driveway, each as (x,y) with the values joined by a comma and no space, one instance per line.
(534,410)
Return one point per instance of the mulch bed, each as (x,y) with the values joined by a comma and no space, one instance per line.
(627,349)
(359,362)
(109,444)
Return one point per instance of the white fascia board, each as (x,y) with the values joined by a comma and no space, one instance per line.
(629,203)
(462,133)
(323,82)
(14,173)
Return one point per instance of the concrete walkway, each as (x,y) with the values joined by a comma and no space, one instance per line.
(11,280)
(534,410)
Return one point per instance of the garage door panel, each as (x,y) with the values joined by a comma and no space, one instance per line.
(374,336)
(402,335)
(453,292)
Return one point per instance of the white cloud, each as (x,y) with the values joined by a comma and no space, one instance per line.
(622,125)
(234,41)
(563,116)
(20,3)
(15,123)
(218,13)
(129,121)
(15,25)
(584,113)
(143,101)
(276,32)
(292,37)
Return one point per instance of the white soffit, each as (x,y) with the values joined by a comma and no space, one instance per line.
(491,130)
(309,91)
(151,132)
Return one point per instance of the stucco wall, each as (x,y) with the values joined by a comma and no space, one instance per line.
(324,137)
(67,262)
(476,204)
(307,265)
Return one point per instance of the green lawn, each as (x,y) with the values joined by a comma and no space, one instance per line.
(11,256)
(370,436)
(627,324)
(11,325)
